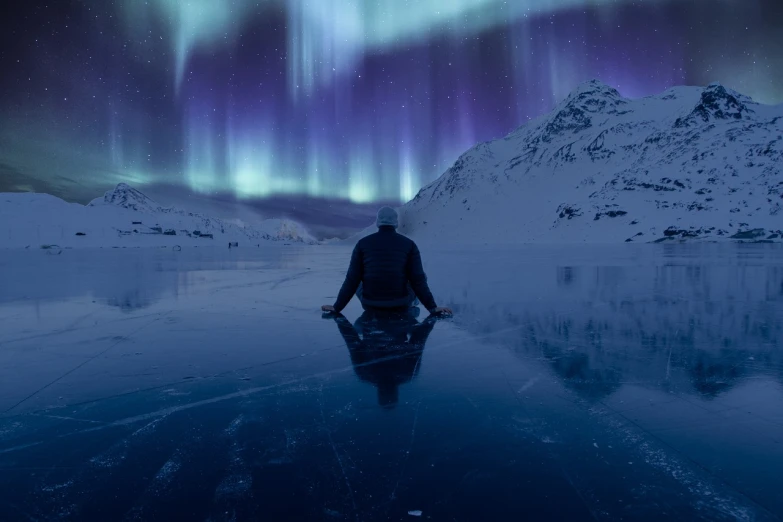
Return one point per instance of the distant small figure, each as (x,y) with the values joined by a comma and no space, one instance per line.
(386,273)
(231,245)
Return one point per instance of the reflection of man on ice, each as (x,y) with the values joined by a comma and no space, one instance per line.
(386,348)
(386,272)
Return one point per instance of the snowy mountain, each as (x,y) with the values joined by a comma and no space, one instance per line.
(126,217)
(125,196)
(690,163)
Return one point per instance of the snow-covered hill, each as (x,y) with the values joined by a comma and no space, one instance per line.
(126,217)
(689,163)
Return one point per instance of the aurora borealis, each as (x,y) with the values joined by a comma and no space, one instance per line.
(365,100)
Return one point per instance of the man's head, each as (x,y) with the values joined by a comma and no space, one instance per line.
(387,217)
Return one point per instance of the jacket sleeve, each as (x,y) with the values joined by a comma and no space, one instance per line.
(418,279)
(352,280)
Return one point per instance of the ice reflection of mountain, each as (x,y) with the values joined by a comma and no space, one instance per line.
(129,279)
(693,322)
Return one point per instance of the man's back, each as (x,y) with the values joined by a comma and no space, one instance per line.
(386,264)
(385,257)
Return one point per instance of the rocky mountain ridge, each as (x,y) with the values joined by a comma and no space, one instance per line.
(691,163)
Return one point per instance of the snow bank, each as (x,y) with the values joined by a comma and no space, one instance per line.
(126,217)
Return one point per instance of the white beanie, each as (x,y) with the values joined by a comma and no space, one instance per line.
(387,216)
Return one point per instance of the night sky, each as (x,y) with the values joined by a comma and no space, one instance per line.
(362,100)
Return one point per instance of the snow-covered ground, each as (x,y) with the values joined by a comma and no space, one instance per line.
(599,382)
(125,217)
(690,163)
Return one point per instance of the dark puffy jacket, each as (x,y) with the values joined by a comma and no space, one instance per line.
(385,262)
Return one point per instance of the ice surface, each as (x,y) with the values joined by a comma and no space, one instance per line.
(638,382)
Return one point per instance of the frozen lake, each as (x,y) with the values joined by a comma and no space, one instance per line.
(633,382)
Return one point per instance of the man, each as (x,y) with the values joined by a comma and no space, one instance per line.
(388,267)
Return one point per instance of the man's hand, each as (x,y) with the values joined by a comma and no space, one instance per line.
(328,308)
(442,310)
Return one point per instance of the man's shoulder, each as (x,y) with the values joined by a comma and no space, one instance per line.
(379,239)
(408,241)
(366,239)
(405,239)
